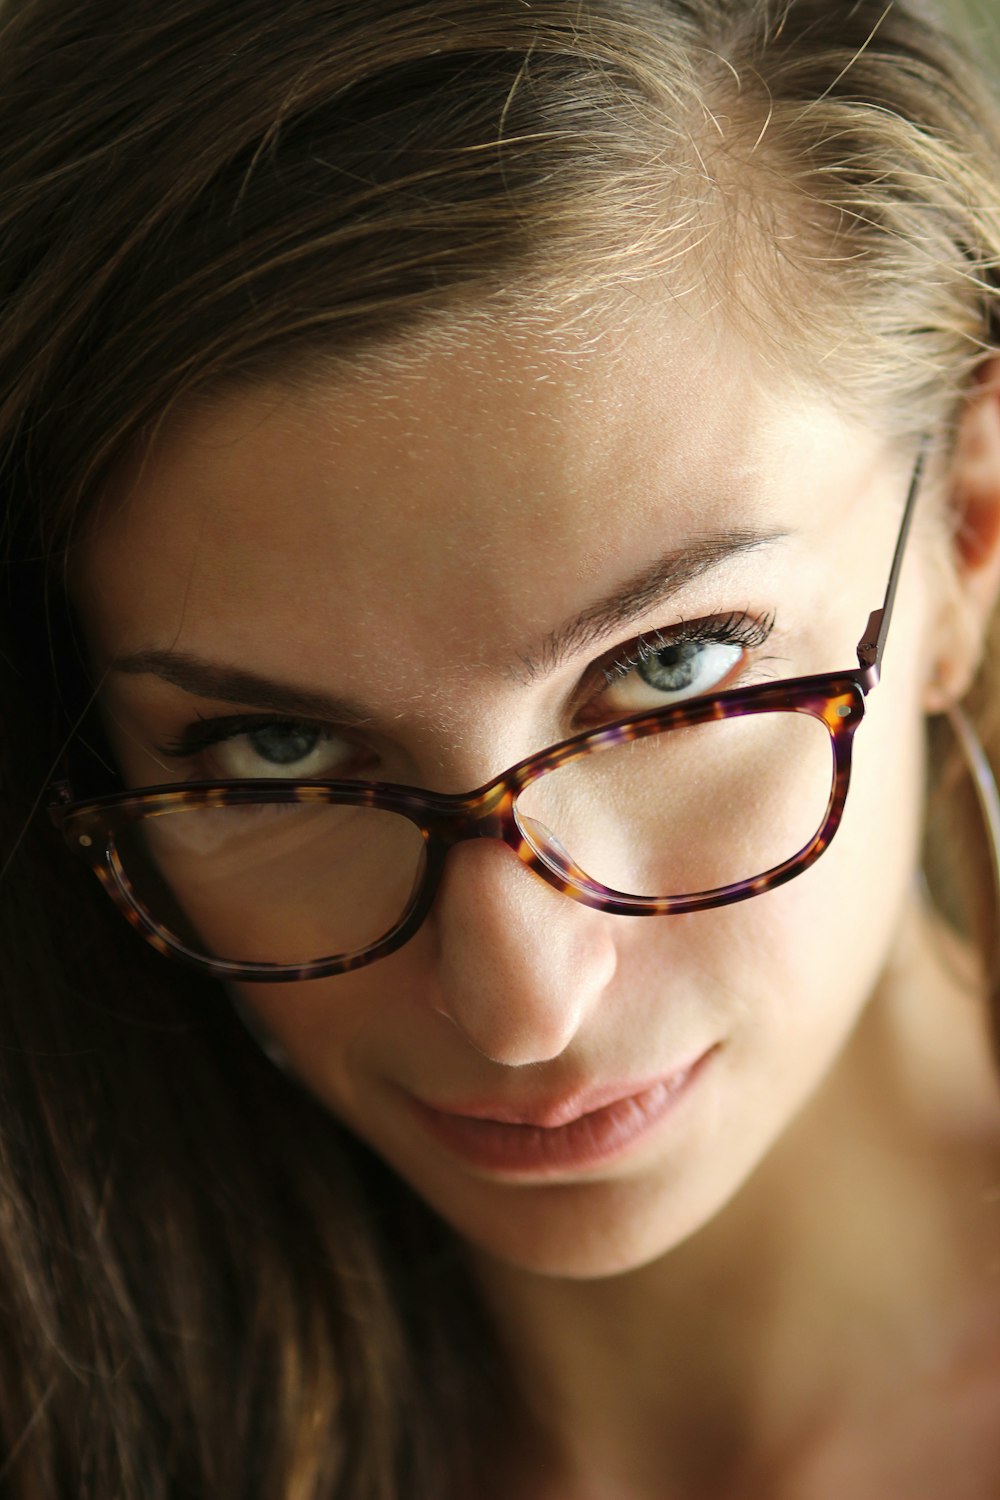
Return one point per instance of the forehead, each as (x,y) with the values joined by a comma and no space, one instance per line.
(457,501)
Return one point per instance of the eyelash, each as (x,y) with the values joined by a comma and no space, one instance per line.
(739,628)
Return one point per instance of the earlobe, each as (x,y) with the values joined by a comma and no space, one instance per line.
(974,520)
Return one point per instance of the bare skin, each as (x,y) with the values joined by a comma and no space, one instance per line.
(762,1297)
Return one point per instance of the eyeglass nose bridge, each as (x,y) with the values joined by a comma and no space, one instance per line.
(484,815)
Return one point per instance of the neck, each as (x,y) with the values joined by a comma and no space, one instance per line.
(858,1248)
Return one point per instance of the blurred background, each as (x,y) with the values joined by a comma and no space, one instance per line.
(981,21)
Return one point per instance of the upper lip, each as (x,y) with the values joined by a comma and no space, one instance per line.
(551,1111)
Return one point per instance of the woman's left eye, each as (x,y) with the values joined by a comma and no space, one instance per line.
(653,673)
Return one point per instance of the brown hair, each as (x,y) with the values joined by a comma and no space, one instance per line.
(206,1287)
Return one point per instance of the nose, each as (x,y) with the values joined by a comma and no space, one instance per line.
(519,965)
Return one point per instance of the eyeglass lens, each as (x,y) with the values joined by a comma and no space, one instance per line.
(674,814)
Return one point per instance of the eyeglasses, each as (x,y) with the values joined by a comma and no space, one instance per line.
(692,806)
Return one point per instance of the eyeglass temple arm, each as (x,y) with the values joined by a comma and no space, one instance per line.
(872,643)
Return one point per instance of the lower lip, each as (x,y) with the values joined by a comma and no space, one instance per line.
(590,1141)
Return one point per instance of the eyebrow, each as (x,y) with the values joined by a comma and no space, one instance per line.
(653,585)
(635,596)
(235,685)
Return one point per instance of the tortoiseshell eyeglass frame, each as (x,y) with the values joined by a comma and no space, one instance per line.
(836,699)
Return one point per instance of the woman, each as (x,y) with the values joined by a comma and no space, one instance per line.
(394,392)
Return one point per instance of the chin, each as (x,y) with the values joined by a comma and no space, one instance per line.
(578,1231)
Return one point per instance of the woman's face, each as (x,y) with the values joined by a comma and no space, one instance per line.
(414,544)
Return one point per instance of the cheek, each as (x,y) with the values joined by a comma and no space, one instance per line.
(819,945)
(785,975)
(316,1031)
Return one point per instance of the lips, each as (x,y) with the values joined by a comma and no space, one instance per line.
(584,1129)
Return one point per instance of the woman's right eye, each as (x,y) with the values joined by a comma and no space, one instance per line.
(673,673)
(236,750)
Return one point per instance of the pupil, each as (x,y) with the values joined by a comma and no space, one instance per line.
(671,668)
(283,745)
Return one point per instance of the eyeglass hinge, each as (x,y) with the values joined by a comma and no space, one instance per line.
(870,645)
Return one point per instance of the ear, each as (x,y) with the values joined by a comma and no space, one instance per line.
(973,488)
